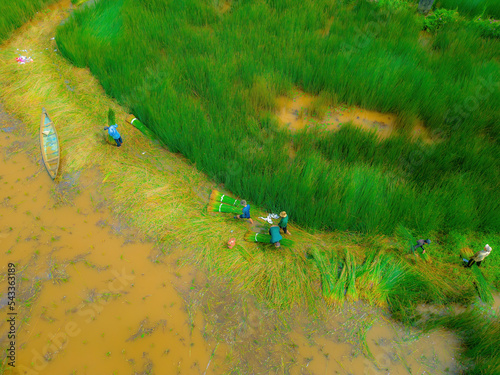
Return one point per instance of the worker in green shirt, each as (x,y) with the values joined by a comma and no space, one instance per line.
(284,222)
(274,232)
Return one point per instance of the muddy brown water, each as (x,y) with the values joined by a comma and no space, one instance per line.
(92,297)
(294,113)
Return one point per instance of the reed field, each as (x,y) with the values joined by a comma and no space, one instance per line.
(16,13)
(473,7)
(195,74)
(207,87)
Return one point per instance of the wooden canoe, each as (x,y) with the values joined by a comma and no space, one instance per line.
(49,145)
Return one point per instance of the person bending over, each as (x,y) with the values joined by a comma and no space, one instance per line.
(246,212)
(421,243)
(274,232)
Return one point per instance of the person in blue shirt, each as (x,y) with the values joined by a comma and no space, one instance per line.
(246,212)
(275,234)
(113,133)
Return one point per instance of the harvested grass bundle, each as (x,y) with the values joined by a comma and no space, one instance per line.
(408,236)
(265,238)
(111,117)
(350,264)
(466,253)
(141,127)
(325,269)
(337,296)
(482,286)
(219,197)
(214,206)
(378,277)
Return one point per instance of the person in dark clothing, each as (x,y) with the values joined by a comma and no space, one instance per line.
(421,243)
(275,234)
(246,212)
(284,222)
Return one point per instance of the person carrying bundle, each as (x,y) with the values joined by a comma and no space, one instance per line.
(420,243)
(113,133)
(246,212)
(479,256)
(275,234)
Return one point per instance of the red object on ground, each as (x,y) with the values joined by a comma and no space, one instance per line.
(231,243)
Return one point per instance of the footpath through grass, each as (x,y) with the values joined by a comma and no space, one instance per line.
(165,196)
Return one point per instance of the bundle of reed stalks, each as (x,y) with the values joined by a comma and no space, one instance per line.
(482,286)
(142,128)
(265,238)
(219,197)
(214,206)
(466,252)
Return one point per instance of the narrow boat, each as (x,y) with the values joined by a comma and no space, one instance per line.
(49,144)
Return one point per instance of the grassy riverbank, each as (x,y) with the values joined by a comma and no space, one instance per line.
(165,196)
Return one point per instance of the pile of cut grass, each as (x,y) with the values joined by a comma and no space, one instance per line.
(207,87)
(13,14)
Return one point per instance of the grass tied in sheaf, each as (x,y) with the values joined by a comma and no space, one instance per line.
(482,285)
(214,206)
(266,238)
(224,198)
(111,117)
(131,119)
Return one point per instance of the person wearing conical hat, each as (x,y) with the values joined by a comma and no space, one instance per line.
(479,256)
(284,222)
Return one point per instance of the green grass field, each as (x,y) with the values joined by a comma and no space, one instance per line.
(473,7)
(207,87)
(16,13)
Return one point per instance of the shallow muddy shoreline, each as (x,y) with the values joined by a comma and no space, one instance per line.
(88,280)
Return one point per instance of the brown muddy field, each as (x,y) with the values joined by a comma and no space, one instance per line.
(92,297)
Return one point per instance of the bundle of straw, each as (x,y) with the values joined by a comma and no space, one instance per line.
(482,286)
(143,128)
(265,238)
(325,269)
(111,117)
(350,263)
(214,206)
(219,197)
(466,253)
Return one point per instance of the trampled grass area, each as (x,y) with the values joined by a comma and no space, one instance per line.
(166,197)
(16,13)
(207,86)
